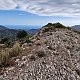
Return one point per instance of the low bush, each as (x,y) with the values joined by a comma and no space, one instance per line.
(46,29)
(32,58)
(40,54)
(21,34)
(4,40)
(52,27)
(77,31)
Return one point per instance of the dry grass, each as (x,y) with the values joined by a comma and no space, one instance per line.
(16,50)
(8,53)
(4,56)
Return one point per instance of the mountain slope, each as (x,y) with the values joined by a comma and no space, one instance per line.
(53,55)
(6,32)
(32,31)
(3,28)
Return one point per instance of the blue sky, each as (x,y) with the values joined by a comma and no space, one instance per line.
(30,12)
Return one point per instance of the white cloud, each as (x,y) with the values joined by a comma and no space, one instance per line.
(7,4)
(44,7)
(20,14)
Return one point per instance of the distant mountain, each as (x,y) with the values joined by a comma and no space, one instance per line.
(11,33)
(3,28)
(32,31)
(77,27)
(6,32)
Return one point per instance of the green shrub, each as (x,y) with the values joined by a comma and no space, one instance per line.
(28,41)
(4,40)
(48,25)
(77,31)
(46,29)
(21,34)
(52,27)
(69,28)
(58,25)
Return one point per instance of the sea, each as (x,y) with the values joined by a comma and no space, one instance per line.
(24,27)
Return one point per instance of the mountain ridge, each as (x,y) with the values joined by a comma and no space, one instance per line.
(77,27)
(11,33)
(6,32)
(54,54)
(3,27)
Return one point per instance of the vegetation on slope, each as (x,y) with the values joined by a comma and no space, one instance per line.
(52,27)
(12,49)
(8,53)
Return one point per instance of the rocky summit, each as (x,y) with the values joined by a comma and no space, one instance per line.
(54,54)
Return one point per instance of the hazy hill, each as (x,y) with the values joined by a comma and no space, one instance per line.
(11,33)
(32,31)
(6,32)
(53,55)
(77,27)
(3,28)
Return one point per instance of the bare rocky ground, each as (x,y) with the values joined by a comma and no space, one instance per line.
(52,56)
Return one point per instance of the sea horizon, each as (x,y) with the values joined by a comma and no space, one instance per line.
(25,27)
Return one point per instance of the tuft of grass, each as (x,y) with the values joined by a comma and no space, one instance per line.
(4,57)
(7,54)
(16,50)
